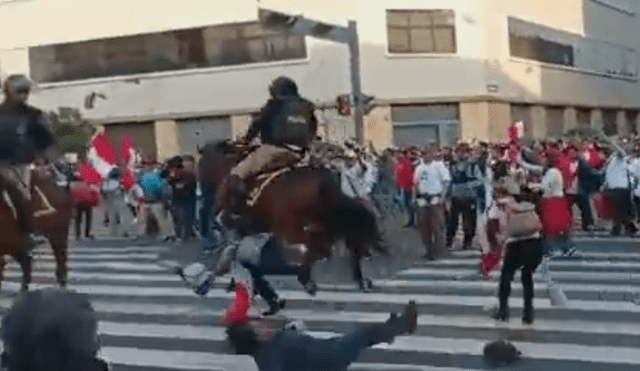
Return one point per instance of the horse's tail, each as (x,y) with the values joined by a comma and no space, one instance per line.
(357,223)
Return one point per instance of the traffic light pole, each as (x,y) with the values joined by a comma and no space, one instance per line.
(358,113)
(344,35)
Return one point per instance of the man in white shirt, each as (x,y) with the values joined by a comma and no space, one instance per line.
(431,181)
(618,183)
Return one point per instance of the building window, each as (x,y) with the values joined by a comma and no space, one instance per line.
(421,31)
(529,43)
(213,46)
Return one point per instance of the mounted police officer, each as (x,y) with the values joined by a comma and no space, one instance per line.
(25,133)
(287,125)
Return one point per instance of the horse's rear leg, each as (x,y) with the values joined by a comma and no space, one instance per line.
(25,260)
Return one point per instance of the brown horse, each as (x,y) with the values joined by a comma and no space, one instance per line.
(52,208)
(304,205)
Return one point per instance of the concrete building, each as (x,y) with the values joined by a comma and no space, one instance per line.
(178,73)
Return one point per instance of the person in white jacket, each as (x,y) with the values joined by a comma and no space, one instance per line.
(432,179)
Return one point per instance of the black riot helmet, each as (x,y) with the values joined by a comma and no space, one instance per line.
(282,87)
(17,88)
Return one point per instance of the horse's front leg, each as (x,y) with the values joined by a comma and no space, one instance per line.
(315,251)
(3,265)
(304,272)
(356,253)
(25,260)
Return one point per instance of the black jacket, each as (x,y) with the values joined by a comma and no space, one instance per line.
(286,120)
(39,135)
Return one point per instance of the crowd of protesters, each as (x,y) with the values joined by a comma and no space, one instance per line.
(435,187)
(590,181)
(160,201)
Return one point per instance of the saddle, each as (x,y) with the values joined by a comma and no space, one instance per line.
(262,180)
(41,205)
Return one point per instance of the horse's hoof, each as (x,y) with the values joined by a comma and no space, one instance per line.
(311,288)
(366,285)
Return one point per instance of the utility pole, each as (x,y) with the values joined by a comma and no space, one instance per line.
(340,34)
(356,87)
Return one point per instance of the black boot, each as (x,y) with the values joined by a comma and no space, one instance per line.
(503,312)
(394,326)
(274,307)
(405,323)
(527,315)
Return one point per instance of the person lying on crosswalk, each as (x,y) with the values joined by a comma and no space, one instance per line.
(51,330)
(290,349)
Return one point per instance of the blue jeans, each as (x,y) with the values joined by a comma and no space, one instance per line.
(406,200)
(293,351)
(562,242)
(184,213)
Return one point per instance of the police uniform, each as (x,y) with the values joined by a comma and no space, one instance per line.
(287,125)
(24,131)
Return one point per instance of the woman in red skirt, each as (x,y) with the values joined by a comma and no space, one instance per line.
(555,212)
(555,215)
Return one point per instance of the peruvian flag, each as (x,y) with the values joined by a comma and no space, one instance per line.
(516,131)
(101,160)
(127,156)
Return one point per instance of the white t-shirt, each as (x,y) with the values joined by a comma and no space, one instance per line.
(617,173)
(432,178)
(552,184)
(635,172)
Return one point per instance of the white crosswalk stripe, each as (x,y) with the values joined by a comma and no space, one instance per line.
(149,319)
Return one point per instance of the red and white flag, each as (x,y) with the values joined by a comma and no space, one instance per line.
(516,131)
(101,158)
(127,156)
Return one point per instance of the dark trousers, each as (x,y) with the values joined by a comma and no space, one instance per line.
(582,200)
(406,200)
(466,207)
(271,262)
(623,210)
(87,211)
(184,213)
(526,254)
(303,352)
(208,200)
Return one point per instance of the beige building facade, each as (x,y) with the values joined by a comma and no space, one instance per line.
(189,71)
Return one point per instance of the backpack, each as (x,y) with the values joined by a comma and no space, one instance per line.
(522,219)
(501,353)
